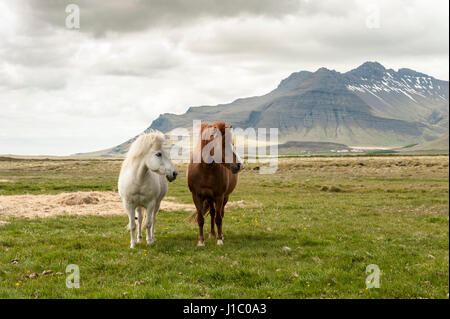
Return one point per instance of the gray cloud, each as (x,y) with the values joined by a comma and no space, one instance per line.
(132,60)
(100,17)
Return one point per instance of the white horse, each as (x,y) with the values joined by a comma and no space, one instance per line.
(142,182)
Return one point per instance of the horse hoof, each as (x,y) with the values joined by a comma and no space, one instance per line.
(151,241)
(139,240)
(211,235)
(200,244)
(132,246)
(219,242)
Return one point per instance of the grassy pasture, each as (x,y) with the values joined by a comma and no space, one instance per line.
(309,231)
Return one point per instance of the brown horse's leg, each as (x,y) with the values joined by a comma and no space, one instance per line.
(212,212)
(218,218)
(200,219)
(225,201)
(201,238)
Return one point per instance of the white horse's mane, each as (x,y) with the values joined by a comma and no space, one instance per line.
(141,146)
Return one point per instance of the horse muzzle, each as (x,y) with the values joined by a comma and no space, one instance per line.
(235,168)
(171,177)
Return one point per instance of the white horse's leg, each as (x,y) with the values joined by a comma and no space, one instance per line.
(152,229)
(149,222)
(131,213)
(139,228)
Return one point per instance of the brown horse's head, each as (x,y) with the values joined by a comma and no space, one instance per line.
(217,146)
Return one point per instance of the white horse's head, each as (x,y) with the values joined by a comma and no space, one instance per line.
(149,149)
(158,162)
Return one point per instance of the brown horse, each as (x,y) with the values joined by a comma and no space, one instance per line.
(213,177)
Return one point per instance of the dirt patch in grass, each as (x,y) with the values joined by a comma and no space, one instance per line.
(79,199)
(79,203)
(332,189)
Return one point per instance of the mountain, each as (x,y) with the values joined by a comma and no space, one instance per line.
(367,106)
(404,95)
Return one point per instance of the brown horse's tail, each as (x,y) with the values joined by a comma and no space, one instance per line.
(193,218)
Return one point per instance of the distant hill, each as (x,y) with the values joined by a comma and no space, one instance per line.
(116,151)
(368,106)
(310,147)
(440,144)
(288,148)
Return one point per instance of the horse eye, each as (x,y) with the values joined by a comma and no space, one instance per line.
(159,154)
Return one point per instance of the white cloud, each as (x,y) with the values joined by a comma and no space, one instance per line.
(66,91)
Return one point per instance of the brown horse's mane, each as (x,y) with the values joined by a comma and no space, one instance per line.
(221,126)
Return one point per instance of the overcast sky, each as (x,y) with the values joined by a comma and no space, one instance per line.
(64,90)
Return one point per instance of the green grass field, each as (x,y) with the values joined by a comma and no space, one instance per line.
(335,215)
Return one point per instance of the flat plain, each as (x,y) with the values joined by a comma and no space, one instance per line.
(307,231)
